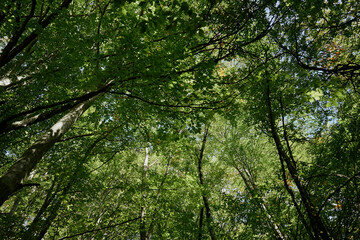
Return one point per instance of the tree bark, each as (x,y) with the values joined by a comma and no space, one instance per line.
(53,214)
(10,182)
(250,184)
(12,49)
(152,223)
(201,223)
(205,200)
(142,227)
(319,229)
(34,226)
(9,123)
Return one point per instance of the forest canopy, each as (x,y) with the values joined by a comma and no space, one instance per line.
(201,119)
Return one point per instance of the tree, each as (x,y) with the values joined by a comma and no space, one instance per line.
(145,67)
(178,119)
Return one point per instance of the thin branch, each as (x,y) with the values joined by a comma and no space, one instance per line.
(337,190)
(75,137)
(7,127)
(102,228)
(14,51)
(194,106)
(29,185)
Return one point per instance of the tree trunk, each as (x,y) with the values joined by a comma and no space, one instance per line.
(13,48)
(319,229)
(153,220)
(14,122)
(142,227)
(53,214)
(205,200)
(34,226)
(10,182)
(250,184)
(201,223)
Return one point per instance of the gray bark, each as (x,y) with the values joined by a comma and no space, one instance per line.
(10,182)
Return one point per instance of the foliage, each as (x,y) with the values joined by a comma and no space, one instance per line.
(179,119)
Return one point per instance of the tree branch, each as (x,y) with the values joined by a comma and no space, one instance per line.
(102,228)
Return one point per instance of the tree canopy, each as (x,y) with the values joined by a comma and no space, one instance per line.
(203,119)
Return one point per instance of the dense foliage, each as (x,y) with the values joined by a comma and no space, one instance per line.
(203,119)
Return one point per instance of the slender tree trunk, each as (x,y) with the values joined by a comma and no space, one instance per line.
(319,229)
(250,184)
(13,48)
(209,218)
(151,227)
(34,226)
(41,224)
(205,200)
(10,182)
(201,223)
(142,227)
(53,214)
